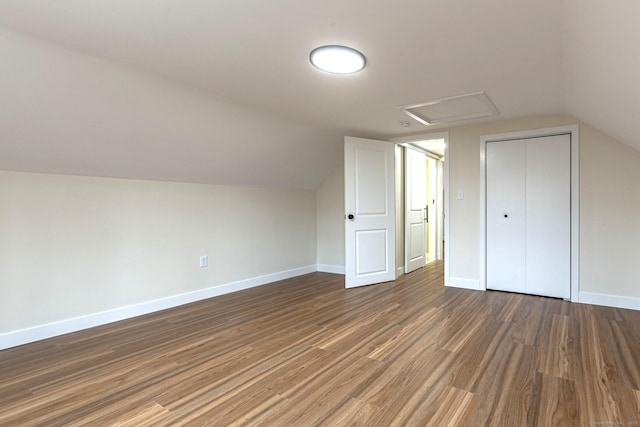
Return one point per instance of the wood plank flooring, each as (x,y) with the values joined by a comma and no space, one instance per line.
(307,352)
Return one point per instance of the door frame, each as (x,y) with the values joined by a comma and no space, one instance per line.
(445,183)
(573,131)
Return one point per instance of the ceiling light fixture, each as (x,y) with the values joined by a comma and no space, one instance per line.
(337,59)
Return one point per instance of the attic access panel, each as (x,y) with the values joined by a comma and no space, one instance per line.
(452,109)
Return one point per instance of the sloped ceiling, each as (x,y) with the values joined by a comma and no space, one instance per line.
(602,66)
(222,91)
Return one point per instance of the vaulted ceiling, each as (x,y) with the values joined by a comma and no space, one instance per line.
(222,91)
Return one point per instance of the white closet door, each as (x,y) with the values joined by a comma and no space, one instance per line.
(506,212)
(548,234)
(528,190)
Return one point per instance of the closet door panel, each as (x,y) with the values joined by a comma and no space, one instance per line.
(548,216)
(505,192)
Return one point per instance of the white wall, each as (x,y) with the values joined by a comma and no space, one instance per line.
(609,206)
(609,216)
(75,246)
(330,207)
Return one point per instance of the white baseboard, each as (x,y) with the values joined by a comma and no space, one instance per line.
(609,300)
(40,332)
(399,271)
(335,269)
(456,282)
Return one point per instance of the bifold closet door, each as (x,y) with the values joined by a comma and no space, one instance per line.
(529,215)
(506,215)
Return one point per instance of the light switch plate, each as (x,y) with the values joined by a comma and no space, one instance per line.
(460,194)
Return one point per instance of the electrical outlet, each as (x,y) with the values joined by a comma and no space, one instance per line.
(204,261)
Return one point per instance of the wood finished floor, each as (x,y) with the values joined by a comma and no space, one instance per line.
(305,352)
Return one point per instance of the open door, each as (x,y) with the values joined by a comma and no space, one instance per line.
(415,210)
(433,211)
(370,217)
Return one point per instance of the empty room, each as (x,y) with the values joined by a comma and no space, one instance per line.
(410,213)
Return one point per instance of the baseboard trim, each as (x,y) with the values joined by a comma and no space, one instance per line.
(609,300)
(49,330)
(335,269)
(456,282)
(399,271)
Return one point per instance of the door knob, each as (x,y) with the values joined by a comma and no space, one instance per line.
(350,217)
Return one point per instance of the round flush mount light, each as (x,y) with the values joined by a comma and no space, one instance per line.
(337,59)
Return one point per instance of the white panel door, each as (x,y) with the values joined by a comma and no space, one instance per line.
(431,213)
(548,233)
(415,199)
(506,212)
(370,220)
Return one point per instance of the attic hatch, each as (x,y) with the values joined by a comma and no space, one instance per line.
(456,108)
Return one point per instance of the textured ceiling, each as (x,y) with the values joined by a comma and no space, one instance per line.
(235,78)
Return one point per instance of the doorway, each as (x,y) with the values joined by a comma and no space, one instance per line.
(424,199)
